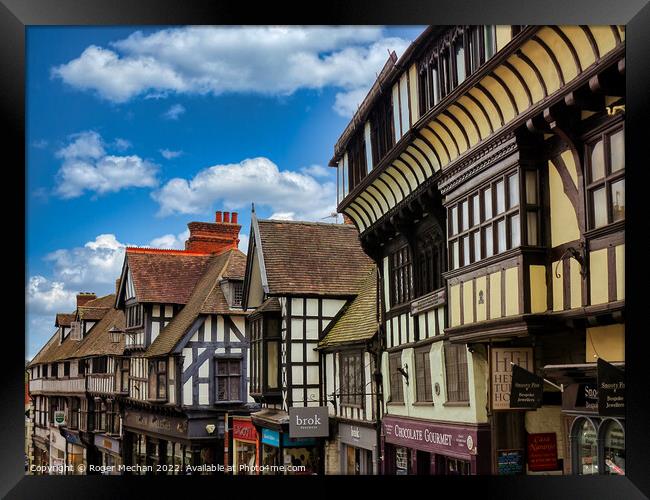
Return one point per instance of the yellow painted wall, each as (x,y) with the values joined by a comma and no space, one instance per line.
(564,222)
(512,291)
(576,283)
(598,291)
(537,289)
(468,302)
(570,163)
(481,308)
(454,304)
(607,342)
(620,272)
(504,35)
(558,287)
(495,295)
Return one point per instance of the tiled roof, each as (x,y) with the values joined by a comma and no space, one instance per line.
(64,319)
(165,276)
(358,322)
(272,304)
(205,298)
(53,351)
(99,341)
(312,258)
(236,266)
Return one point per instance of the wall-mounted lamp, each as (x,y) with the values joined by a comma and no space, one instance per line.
(404,371)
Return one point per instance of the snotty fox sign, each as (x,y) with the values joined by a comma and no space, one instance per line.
(308,422)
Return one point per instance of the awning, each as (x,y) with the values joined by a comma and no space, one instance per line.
(271,418)
(575,373)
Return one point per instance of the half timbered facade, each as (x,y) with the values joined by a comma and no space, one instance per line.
(485,172)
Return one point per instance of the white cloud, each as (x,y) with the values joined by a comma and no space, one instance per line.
(236,185)
(40,144)
(169,155)
(121,144)
(87,167)
(171,241)
(46,297)
(318,171)
(216,60)
(174,112)
(283,216)
(243,242)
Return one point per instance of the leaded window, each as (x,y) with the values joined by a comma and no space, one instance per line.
(401,274)
(396,388)
(351,376)
(228,383)
(456,372)
(423,374)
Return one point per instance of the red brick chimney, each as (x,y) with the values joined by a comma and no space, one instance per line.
(214,237)
(84,297)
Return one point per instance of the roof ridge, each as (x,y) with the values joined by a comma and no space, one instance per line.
(308,223)
(167,251)
(216,281)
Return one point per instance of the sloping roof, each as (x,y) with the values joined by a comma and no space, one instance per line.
(358,322)
(98,342)
(272,304)
(205,298)
(312,258)
(236,266)
(165,276)
(53,351)
(64,319)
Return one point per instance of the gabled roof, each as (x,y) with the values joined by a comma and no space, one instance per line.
(358,322)
(64,319)
(95,310)
(205,297)
(309,258)
(165,276)
(99,342)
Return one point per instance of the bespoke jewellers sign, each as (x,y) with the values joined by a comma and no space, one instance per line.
(611,390)
(429,301)
(527,389)
(427,437)
(501,372)
(311,421)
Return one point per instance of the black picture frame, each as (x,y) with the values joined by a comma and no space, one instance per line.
(16,15)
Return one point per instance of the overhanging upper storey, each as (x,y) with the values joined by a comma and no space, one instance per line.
(452,91)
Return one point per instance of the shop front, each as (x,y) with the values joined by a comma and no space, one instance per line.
(244,446)
(358,449)
(110,450)
(171,445)
(413,446)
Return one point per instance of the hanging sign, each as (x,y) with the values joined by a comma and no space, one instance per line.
(59,417)
(501,372)
(310,421)
(526,389)
(611,390)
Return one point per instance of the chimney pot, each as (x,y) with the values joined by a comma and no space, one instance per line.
(234,217)
(226,217)
(217,217)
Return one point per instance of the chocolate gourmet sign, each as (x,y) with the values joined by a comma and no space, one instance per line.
(429,437)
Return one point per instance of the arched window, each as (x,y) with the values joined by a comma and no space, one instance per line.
(613,439)
(585,447)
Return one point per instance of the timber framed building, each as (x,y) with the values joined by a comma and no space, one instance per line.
(485,171)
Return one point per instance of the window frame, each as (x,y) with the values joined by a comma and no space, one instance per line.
(423,393)
(609,178)
(157,380)
(455,358)
(228,360)
(402,280)
(396,384)
(352,388)
(134,316)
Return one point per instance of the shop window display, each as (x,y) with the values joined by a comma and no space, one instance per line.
(614,448)
(587,449)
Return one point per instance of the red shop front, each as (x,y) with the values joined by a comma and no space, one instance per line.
(245,446)
(422,447)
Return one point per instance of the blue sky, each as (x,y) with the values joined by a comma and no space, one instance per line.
(133,132)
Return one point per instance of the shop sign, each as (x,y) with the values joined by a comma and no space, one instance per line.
(243,430)
(501,372)
(270,437)
(70,437)
(527,389)
(428,437)
(359,436)
(587,397)
(59,417)
(310,421)
(107,443)
(159,424)
(429,301)
(542,451)
(611,390)
(510,462)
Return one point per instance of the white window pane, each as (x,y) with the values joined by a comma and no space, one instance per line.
(464,211)
(477,245)
(597,162)
(434,76)
(487,203)
(404,103)
(489,41)
(460,60)
(465,250)
(454,254)
(532,228)
(487,237)
(366,134)
(617,150)
(618,200)
(501,236)
(476,211)
(396,125)
(454,220)
(513,191)
(501,197)
(345,175)
(599,203)
(531,187)
(515,234)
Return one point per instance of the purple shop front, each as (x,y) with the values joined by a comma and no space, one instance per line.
(414,446)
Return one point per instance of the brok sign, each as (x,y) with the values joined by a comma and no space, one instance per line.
(308,422)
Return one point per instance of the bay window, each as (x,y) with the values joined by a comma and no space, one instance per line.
(401,276)
(352,385)
(158,379)
(456,372)
(265,354)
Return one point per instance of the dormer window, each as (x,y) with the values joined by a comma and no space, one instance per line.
(237,293)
